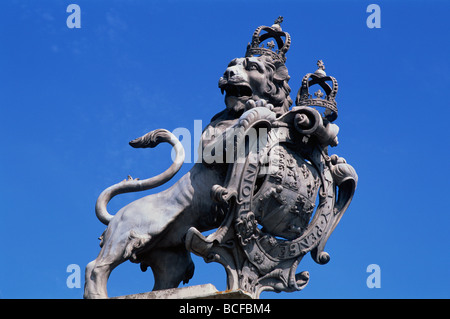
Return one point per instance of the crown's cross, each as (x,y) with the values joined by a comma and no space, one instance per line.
(318,94)
(270,45)
(320,65)
(320,69)
(278,20)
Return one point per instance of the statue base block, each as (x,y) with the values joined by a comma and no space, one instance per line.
(206,291)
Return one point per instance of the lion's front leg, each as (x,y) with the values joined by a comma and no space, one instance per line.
(170,266)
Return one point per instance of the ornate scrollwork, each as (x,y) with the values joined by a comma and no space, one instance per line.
(287,197)
(282,206)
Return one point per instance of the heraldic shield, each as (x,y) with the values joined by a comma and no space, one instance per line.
(282,198)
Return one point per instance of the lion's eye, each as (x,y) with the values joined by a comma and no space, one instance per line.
(253,67)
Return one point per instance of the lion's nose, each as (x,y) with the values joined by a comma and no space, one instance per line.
(230,72)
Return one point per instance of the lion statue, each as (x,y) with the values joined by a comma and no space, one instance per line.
(151,230)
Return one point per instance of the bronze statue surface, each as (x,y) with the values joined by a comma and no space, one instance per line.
(266,182)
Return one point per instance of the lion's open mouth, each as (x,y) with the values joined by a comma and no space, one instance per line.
(237,90)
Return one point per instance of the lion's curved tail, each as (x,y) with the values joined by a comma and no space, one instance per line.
(150,139)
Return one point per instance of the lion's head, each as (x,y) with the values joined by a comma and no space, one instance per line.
(256,78)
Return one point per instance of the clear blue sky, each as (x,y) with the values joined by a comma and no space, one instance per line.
(71,99)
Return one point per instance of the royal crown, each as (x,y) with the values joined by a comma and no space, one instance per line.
(304,98)
(256,47)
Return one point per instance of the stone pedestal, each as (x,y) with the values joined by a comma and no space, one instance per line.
(207,291)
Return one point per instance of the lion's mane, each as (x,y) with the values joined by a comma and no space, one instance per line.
(278,89)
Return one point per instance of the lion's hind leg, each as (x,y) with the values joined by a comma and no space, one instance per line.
(136,241)
(115,250)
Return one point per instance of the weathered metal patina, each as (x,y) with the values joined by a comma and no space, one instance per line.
(266,183)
